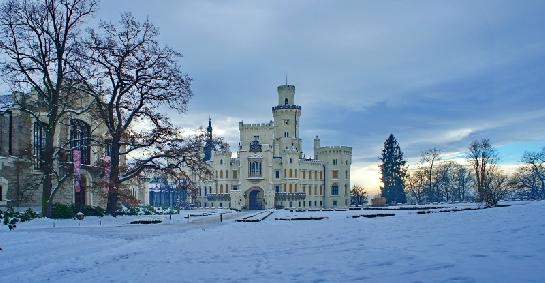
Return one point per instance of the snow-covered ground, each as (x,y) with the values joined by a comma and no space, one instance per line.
(493,245)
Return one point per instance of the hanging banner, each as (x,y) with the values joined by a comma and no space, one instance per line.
(107,170)
(77,166)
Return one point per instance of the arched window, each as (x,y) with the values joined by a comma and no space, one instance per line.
(286,101)
(221,161)
(335,190)
(221,173)
(221,189)
(38,143)
(254,168)
(80,139)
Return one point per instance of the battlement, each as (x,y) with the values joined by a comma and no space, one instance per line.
(243,126)
(335,150)
(286,107)
(288,88)
(311,162)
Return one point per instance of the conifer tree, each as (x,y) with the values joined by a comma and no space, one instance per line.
(393,172)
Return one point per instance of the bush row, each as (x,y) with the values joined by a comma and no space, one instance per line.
(11,217)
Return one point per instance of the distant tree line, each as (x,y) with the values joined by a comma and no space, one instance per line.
(436,179)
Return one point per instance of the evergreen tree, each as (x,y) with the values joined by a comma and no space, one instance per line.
(393,172)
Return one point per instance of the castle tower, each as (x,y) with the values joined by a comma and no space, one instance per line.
(209,146)
(286,121)
(316,146)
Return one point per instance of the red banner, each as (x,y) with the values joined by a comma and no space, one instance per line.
(76,154)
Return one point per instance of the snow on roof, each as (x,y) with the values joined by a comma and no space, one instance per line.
(5,102)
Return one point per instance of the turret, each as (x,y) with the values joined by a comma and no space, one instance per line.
(209,146)
(286,120)
(286,94)
(316,146)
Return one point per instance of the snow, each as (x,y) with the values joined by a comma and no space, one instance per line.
(504,244)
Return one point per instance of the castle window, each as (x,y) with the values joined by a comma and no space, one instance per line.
(227,188)
(226,174)
(287,122)
(80,139)
(335,190)
(254,168)
(335,174)
(291,160)
(277,174)
(334,161)
(1,194)
(334,203)
(277,188)
(39,144)
(291,173)
(235,174)
(221,161)
(234,188)
(108,147)
(286,101)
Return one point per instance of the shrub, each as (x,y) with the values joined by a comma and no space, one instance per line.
(93,211)
(62,211)
(28,215)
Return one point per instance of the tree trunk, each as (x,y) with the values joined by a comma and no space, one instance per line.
(47,168)
(113,183)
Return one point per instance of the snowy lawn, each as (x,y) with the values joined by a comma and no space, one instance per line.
(492,245)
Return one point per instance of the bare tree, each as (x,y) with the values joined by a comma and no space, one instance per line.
(489,181)
(133,78)
(359,195)
(416,182)
(462,183)
(39,40)
(429,158)
(531,175)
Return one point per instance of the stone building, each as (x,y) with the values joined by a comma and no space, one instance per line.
(21,142)
(270,169)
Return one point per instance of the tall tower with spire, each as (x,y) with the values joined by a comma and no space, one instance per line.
(209,146)
(286,121)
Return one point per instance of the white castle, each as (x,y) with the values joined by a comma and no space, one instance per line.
(270,169)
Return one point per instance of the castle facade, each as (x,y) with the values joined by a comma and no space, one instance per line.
(270,170)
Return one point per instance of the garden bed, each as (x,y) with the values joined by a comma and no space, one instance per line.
(301,218)
(146,221)
(373,215)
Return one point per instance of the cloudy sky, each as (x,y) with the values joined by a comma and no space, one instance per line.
(433,73)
